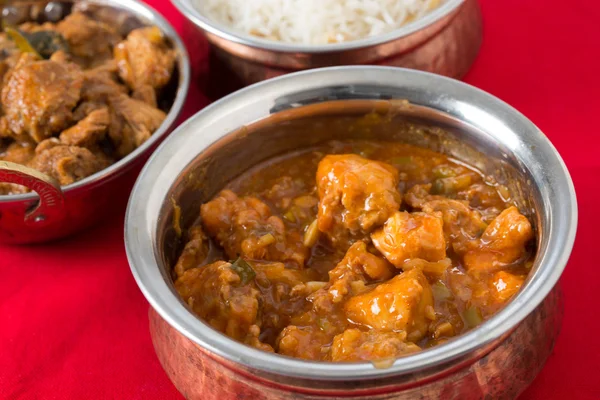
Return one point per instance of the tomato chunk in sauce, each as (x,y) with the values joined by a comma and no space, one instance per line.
(353,251)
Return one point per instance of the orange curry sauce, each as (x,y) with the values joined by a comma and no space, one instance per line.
(354,250)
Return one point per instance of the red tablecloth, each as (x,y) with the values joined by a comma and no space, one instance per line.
(73,324)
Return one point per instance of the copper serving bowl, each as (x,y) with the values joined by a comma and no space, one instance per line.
(56,212)
(445,41)
(496,360)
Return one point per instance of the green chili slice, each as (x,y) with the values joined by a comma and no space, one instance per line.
(472,317)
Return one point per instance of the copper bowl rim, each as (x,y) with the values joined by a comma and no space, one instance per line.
(146,14)
(195,15)
(496,120)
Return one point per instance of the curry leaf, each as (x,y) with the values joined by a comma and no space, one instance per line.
(46,43)
(20,40)
(244,270)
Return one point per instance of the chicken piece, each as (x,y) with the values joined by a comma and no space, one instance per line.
(397,305)
(302,342)
(502,243)
(38,97)
(85,108)
(90,41)
(359,262)
(99,86)
(462,224)
(145,93)
(5,131)
(418,195)
(18,152)
(132,123)
(145,58)
(47,144)
(195,251)
(108,67)
(244,226)
(216,293)
(89,131)
(356,345)
(356,195)
(504,285)
(405,236)
(68,164)
(61,56)
(358,265)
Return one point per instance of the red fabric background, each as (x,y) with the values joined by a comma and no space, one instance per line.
(73,324)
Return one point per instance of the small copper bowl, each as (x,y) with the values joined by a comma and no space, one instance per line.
(496,360)
(446,42)
(56,212)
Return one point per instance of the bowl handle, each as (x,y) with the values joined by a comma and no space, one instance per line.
(50,207)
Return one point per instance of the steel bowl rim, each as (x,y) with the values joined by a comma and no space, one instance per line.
(224,32)
(139,9)
(140,240)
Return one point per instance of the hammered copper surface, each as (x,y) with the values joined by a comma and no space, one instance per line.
(503,373)
(447,47)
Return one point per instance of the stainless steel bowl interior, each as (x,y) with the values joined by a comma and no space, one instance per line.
(176,92)
(192,11)
(447,115)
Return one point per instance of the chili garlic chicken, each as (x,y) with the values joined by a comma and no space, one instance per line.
(357,250)
(76,96)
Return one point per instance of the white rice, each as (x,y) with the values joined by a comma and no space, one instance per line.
(315,21)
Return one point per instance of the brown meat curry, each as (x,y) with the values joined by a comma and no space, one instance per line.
(355,250)
(76,96)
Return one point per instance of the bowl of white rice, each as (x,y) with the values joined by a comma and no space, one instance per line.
(260,39)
